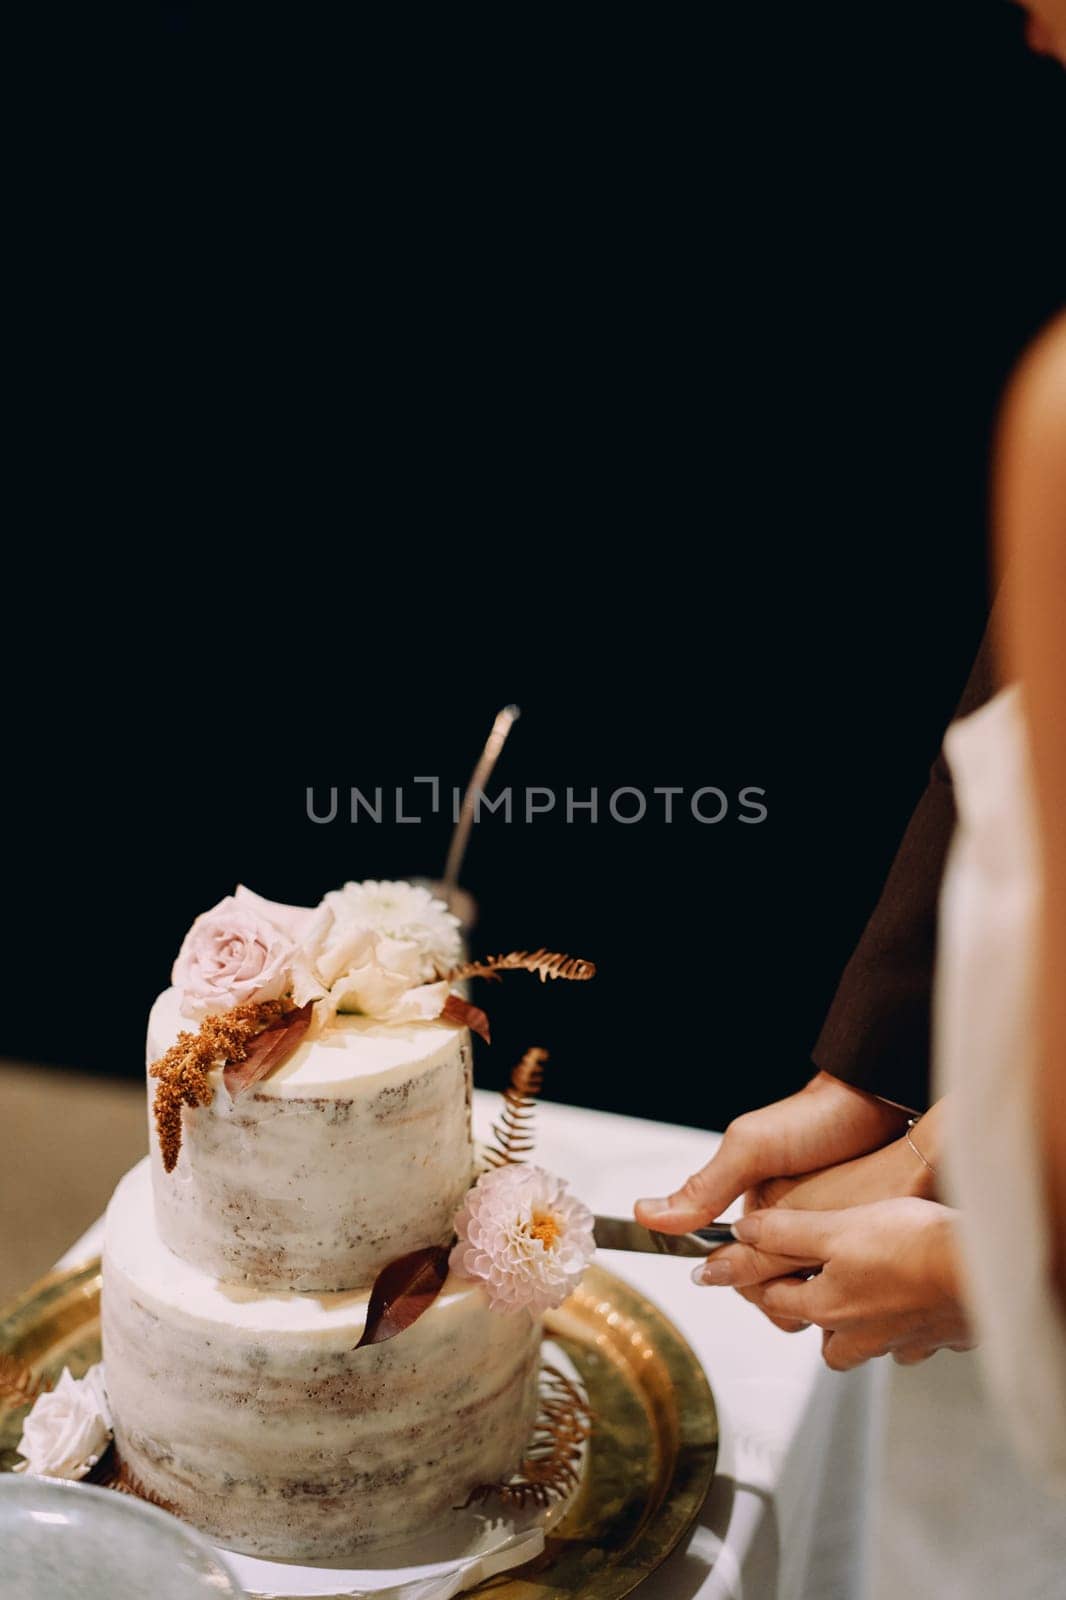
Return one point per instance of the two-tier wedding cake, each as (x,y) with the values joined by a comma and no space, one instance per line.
(321,1328)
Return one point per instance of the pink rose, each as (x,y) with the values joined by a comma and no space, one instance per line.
(232,953)
(292,920)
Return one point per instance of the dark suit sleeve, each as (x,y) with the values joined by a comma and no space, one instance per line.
(877,1033)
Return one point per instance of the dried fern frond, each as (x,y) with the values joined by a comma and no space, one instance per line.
(551,1466)
(111,1472)
(513,1133)
(18,1382)
(545,963)
(527,1079)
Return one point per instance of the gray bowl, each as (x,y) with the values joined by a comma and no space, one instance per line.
(72,1541)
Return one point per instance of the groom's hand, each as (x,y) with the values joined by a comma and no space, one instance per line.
(824,1124)
(893,1172)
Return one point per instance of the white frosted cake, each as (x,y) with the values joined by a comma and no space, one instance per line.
(247,1258)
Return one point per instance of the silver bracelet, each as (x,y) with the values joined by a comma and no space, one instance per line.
(913,1123)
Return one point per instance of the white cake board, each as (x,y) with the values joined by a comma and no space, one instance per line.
(475,1544)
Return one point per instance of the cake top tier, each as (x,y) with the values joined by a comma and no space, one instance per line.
(299,1001)
(321,1108)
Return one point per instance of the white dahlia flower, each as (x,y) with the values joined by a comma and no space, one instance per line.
(525,1237)
(407,913)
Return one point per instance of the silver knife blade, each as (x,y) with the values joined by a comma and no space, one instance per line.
(622,1233)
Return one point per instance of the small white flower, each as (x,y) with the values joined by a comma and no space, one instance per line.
(377,948)
(407,913)
(525,1237)
(69,1427)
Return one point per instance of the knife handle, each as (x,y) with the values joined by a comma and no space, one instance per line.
(700,1243)
(714,1236)
(717,1233)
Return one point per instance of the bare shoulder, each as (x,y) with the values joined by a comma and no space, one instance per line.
(1035,411)
(1030,514)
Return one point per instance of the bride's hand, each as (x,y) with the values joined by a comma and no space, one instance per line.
(887,1277)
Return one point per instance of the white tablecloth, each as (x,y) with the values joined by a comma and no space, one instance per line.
(783,1519)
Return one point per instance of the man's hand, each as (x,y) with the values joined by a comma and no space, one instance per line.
(887,1277)
(896,1171)
(825,1123)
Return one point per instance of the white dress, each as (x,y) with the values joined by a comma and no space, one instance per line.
(969,1493)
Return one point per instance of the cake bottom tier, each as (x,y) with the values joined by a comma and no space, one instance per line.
(255,1418)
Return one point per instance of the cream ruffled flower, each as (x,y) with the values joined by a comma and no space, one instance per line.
(69,1427)
(525,1237)
(375,948)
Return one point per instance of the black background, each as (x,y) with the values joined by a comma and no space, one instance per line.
(641,371)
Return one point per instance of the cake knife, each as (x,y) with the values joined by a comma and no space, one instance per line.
(622,1233)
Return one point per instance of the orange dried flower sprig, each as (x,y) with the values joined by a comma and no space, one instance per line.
(182,1073)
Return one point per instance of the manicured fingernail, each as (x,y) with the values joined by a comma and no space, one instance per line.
(655,1208)
(713,1272)
(747,1229)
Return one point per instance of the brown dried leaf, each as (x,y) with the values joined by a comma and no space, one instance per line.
(403,1291)
(464,1015)
(268,1050)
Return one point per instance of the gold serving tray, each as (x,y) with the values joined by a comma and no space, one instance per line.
(651,1457)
